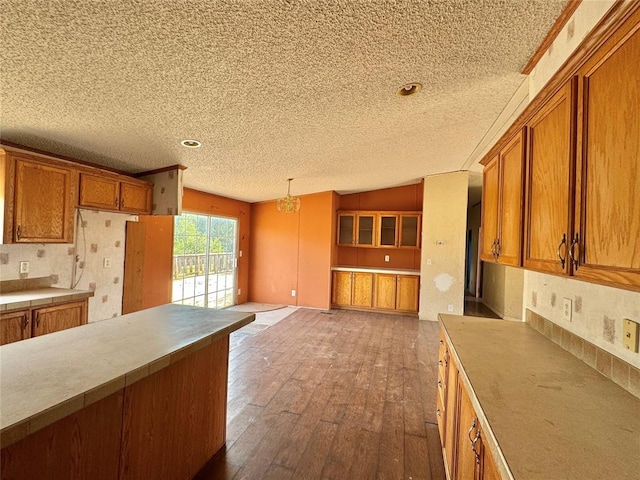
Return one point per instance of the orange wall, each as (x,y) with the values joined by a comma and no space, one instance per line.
(293,252)
(406,198)
(195,201)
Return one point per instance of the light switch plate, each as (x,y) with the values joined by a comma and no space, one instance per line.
(24,267)
(630,335)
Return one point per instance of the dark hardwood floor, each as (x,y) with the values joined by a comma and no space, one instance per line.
(333,395)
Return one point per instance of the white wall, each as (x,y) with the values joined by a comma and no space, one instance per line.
(103,236)
(444,225)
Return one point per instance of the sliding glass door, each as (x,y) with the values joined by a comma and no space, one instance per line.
(204,260)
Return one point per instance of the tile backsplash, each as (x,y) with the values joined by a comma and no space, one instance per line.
(98,235)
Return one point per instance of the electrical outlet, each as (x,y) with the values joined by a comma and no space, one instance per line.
(239,291)
(449,308)
(24,267)
(386,258)
(428,261)
(106,262)
(566,309)
(293,293)
(630,335)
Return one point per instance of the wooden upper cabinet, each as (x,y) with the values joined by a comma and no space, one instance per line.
(410,230)
(59,317)
(387,230)
(490,209)
(346,229)
(549,181)
(509,246)
(99,192)
(502,204)
(366,230)
(607,221)
(135,198)
(39,201)
(111,193)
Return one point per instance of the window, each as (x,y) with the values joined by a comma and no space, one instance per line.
(204,260)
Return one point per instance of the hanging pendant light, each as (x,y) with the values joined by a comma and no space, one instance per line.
(288,204)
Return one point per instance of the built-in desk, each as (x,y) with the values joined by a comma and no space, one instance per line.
(138,396)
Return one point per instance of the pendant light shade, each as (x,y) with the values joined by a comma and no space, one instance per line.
(288,204)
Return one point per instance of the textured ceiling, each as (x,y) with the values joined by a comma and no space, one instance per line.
(273,89)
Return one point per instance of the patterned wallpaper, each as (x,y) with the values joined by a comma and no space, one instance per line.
(99,235)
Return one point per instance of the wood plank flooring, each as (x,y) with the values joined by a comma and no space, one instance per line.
(333,395)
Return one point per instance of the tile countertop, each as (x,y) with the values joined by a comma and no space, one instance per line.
(40,297)
(551,415)
(390,271)
(46,378)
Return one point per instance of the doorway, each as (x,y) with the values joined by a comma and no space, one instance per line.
(205,261)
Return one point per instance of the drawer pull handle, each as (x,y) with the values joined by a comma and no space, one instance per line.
(38,319)
(474,440)
(18,233)
(574,258)
(438,412)
(563,242)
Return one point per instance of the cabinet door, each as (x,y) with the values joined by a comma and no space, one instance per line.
(346,229)
(550,170)
(408,290)
(467,465)
(451,418)
(135,198)
(43,203)
(99,192)
(342,287)
(509,246)
(387,230)
(607,220)
(15,326)
(366,230)
(490,209)
(362,289)
(385,296)
(60,317)
(410,230)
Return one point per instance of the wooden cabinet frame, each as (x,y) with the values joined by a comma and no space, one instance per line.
(104,192)
(401,237)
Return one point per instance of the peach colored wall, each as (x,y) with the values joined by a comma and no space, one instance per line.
(406,198)
(194,201)
(293,252)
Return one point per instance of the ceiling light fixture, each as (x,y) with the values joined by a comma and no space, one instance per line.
(191,143)
(409,89)
(288,204)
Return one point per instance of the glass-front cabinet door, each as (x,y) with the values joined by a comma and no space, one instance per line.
(410,230)
(366,229)
(346,228)
(388,235)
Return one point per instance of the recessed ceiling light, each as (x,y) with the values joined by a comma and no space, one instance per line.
(191,143)
(409,89)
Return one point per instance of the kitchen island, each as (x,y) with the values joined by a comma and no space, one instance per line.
(138,396)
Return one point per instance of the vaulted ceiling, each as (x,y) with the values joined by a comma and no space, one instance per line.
(272,89)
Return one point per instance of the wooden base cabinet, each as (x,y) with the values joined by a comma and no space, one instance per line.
(22,324)
(15,326)
(465,455)
(376,291)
